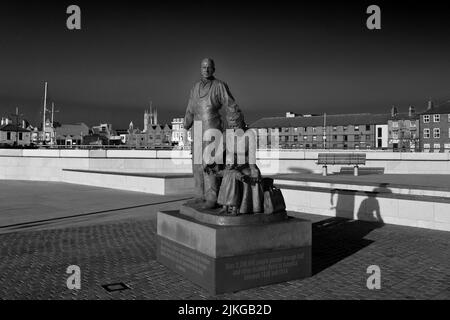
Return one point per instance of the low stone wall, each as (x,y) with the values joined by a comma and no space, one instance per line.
(392,162)
(168,185)
(47,165)
(352,202)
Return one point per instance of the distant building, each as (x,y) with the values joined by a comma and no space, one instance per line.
(49,132)
(381,136)
(155,136)
(72,134)
(150,118)
(435,128)
(103,129)
(341,131)
(95,139)
(13,135)
(291,115)
(37,137)
(404,130)
(122,133)
(178,133)
(107,134)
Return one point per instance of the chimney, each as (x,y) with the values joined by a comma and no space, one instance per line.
(430,105)
(394,111)
(411,111)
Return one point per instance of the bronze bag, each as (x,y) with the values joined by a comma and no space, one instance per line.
(273,198)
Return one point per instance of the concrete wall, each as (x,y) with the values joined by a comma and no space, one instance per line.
(303,161)
(392,208)
(154,185)
(47,165)
(37,164)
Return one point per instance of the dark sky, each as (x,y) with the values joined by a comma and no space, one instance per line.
(276,57)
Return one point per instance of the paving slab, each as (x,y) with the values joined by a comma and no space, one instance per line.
(119,246)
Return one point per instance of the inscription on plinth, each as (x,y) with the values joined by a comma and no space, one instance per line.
(269,267)
(185,260)
(235,273)
(197,267)
(264,267)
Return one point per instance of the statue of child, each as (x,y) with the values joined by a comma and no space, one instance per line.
(240,191)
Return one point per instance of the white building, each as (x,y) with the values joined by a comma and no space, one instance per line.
(178,132)
(381,136)
(13,135)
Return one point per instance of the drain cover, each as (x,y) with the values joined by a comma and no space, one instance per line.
(115,287)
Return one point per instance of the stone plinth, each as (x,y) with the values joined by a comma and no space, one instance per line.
(228,258)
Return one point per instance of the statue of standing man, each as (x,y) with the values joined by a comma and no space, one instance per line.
(206,99)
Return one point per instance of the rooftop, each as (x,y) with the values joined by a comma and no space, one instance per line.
(440,109)
(72,130)
(318,121)
(13,128)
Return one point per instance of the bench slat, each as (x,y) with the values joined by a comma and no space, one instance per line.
(341,158)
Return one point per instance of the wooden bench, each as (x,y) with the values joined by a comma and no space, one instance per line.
(354,159)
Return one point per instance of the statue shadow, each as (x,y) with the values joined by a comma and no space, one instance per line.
(300,170)
(369,210)
(339,237)
(335,239)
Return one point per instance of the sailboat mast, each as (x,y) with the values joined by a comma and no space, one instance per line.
(43,114)
(53,110)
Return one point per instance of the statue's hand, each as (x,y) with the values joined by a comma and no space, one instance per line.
(254,171)
(255,180)
(246,179)
(208,170)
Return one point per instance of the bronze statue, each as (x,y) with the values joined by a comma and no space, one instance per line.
(237,187)
(241,189)
(206,99)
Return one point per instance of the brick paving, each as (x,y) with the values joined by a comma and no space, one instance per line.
(414,262)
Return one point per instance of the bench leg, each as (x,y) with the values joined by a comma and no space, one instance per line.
(355,171)
(324,172)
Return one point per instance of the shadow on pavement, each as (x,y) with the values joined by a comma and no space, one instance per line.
(77,217)
(300,170)
(335,239)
